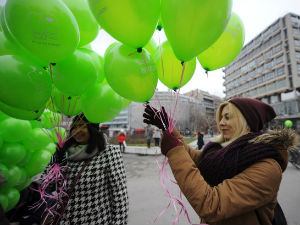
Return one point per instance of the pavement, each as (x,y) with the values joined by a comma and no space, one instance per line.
(153,150)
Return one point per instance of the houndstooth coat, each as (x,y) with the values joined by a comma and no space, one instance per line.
(100,195)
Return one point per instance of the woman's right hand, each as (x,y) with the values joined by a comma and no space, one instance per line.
(156,118)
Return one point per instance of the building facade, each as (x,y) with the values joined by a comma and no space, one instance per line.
(211,104)
(268,68)
(187,112)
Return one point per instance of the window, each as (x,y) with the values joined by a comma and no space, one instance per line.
(279,59)
(296,31)
(298,55)
(280,71)
(295,20)
(268,65)
(298,67)
(281,84)
(297,42)
(277,49)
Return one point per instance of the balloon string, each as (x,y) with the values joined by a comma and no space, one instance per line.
(176,101)
(163,172)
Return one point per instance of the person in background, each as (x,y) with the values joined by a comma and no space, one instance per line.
(96,170)
(236,178)
(149,134)
(121,140)
(200,141)
(156,136)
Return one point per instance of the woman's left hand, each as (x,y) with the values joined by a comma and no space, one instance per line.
(168,142)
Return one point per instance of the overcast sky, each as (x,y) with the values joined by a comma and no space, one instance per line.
(256,16)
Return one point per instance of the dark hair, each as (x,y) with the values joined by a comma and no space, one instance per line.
(96,139)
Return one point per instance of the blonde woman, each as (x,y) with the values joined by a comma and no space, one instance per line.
(236,178)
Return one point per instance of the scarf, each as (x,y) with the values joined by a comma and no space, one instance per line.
(78,153)
(218,163)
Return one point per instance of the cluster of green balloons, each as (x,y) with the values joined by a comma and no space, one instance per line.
(25,151)
(48,69)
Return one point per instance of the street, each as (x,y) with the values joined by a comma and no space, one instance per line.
(147,198)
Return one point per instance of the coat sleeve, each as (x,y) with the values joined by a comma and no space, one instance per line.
(117,179)
(194,154)
(247,191)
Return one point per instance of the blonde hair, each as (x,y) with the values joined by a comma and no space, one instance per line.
(242,127)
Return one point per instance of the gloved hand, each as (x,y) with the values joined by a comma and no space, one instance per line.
(168,142)
(157,118)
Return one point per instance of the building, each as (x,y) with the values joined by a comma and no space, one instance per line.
(268,68)
(187,110)
(210,103)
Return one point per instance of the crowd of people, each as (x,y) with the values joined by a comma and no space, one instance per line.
(233,179)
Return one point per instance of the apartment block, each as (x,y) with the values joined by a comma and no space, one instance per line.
(268,68)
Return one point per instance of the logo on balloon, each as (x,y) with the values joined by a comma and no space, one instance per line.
(50,20)
(44,28)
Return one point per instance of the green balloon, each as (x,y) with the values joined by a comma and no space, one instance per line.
(23,83)
(20,113)
(191,26)
(24,185)
(38,139)
(38,162)
(6,48)
(0,16)
(12,153)
(68,105)
(35,124)
(25,159)
(100,103)
(98,62)
(88,46)
(88,26)
(13,196)
(50,119)
(170,69)
(226,48)
(288,123)
(151,47)
(13,130)
(139,25)
(131,74)
(4,170)
(126,103)
(51,147)
(3,202)
(3,116)
(13,177)
(75,74)
(46,29)
(1,141)
(58,132)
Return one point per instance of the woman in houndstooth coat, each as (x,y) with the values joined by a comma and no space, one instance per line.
(100,194)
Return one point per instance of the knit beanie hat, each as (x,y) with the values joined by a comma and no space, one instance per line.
(256,112)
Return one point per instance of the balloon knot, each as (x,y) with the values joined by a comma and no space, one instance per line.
(159,27)
(69,98)
(53,64)
(36,111)
(182,62)
(139,50)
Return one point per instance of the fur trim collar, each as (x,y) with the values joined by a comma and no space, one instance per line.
(285,139)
